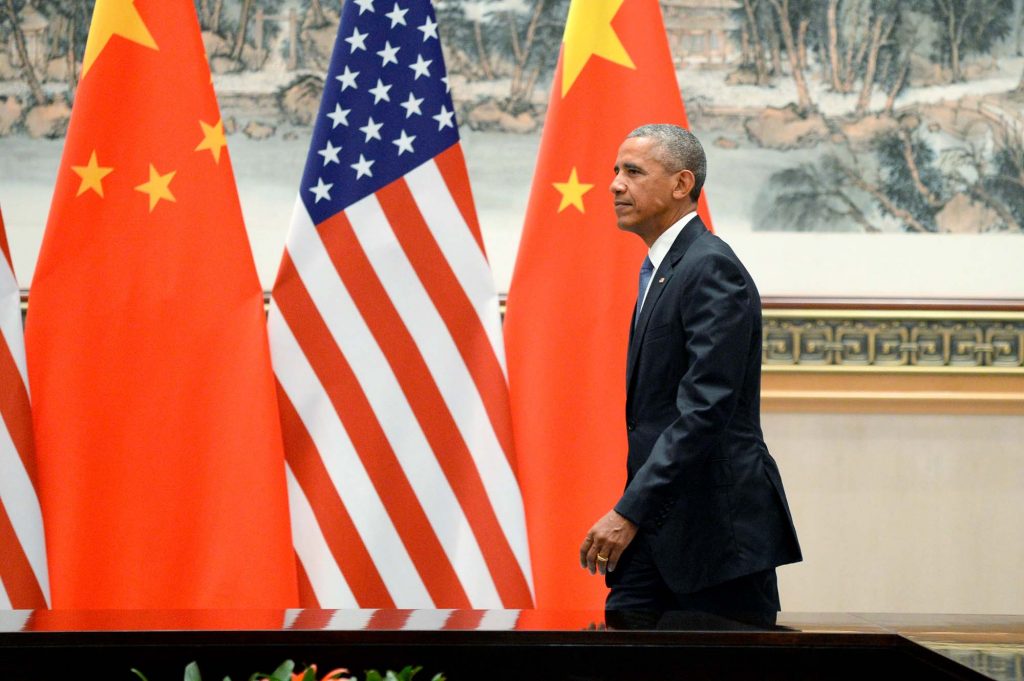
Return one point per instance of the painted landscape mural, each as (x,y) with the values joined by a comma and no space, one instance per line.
(818,116)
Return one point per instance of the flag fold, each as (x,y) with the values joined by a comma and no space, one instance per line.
(24,583)
(387,344)
(574,286)
(160,456)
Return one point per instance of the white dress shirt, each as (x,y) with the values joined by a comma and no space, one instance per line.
(661,246)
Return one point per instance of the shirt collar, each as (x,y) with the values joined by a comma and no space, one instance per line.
(661,246)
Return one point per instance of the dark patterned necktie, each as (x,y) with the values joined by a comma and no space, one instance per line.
(646,270)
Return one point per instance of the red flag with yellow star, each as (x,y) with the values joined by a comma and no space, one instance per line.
(574,286)
(159,450)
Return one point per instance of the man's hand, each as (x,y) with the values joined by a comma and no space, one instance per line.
(605,542)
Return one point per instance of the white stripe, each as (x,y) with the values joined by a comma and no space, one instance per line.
(13,620)
(290,616)
(499,620)
(395,416)
(447,367)
(350,620)
(5,602)
(19,499)
(329,585)
(346,471)
(10,318)
(427,620)
(462,251)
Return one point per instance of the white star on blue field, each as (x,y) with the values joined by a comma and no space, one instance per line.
(386,107)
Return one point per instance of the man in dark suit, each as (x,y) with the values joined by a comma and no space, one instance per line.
(703,521)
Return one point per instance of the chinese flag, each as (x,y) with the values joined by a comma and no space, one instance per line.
(159,448)
(575,284)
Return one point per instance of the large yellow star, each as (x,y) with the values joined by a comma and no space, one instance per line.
(158,187)
(213,139)
(92,175)
(572,192)
(589,32)
(110,18)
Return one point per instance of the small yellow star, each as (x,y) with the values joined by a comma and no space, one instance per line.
(92,175)
(213,139)
(589,32)
(110,18)
(158,187)
(572,192)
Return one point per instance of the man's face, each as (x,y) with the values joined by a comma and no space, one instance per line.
(648,197)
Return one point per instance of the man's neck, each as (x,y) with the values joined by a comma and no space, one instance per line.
(649,239)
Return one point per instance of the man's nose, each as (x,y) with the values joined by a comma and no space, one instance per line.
(616,187)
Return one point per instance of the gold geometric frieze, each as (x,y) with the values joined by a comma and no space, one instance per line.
(893,340)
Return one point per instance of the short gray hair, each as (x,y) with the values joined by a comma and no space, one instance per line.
(678,149)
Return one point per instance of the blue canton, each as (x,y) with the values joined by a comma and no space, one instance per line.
(386,107)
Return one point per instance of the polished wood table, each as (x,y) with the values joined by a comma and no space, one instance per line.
(508,644)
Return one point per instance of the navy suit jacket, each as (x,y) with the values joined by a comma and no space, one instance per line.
(700,481)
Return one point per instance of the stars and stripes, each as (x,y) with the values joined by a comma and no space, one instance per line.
(401,620)
(387,345)
(23,577)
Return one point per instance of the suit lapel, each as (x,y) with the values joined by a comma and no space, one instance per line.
(662,276)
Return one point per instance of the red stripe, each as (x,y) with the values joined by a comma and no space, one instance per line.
(16,413)
(15,571)
(465,620)
(427,404)
(452,165)
(388,620)
(356,414)
(307,597)
(313,619)
(455,309)
(342,537)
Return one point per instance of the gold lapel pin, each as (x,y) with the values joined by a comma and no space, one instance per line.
(662,280)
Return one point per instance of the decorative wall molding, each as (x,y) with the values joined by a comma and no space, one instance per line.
(923,341)
(927,357)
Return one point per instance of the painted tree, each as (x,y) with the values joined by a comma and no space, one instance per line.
(815,198)
(529,39)
(246,9)
(69,29)
(793,18)
(462,33)
(966,27)
(750,17)
(1017,25)
(11,13)
(992,172)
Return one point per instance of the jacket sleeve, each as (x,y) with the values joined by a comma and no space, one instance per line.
(717,321)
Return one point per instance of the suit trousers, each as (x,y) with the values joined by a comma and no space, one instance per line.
(637,586)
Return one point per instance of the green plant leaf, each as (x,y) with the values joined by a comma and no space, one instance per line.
(439,677)
(139,674)
(373,675)
(309,674)
(284,672)
(192,672)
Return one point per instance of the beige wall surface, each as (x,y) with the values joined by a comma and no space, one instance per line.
(903,513)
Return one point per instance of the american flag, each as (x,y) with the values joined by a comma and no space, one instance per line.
(23,577)
(386,343)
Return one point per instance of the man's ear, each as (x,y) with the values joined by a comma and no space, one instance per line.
(685,181)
